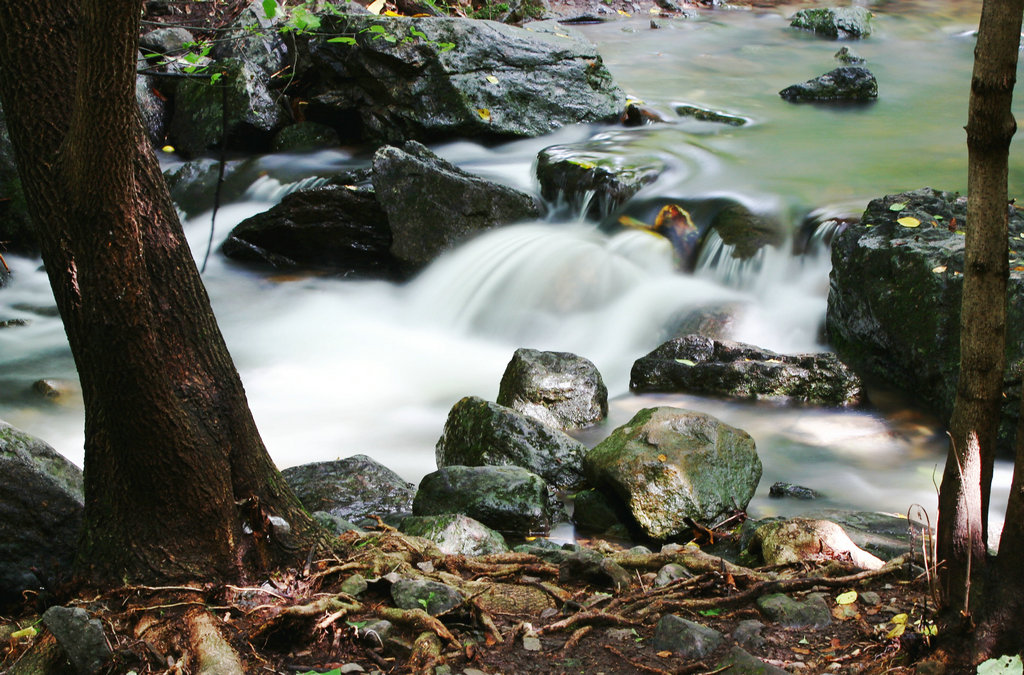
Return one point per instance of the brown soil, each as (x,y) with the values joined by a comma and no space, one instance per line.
(300,622)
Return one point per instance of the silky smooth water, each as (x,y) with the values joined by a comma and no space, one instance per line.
(335,367)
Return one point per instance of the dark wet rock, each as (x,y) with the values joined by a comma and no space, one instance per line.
(508,499)
(810,612)
(548,550)
(591,567)
(163,44)
(834,22)
(559,389)
(807,539)
(58,391)
(337,228)
(717,321)
(688,639)
(253,112)
(16,229)
(669,465)
(745,231)
(638,114)
(597,173)
(432,205)
(80,637)
(740,662)
(351,488)
(848,56)
(154,107)
(305,136)
(455,534)
(11,323)
(593,511)
(895,294)
(747,633)
(481,433)
(710,115)
(41,503)
(780,489)
(848,83)
(432,596)
(695,364)
(446,77)
(354,585)
(258,41)
(194,183)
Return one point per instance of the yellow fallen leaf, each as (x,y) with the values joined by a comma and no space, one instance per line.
(167,148)
(662,458)
(908,221)
(847,598)
(900,618)
(939,270)
(665,654)
(375,7)
(24,633)
(896,631)
(492,79)
(565,35)
(391,12)
(654,10)
(623,13)
(484,113)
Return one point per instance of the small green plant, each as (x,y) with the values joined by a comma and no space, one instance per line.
(425,602)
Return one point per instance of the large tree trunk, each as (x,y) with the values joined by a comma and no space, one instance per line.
(964,494)
(178,484)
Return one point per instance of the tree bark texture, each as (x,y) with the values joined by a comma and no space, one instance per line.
(965,490)
(178,483)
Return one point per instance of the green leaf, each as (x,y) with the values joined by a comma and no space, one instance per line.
(376,28)
(446,46)
(214,77)
(344,40)
(898,206)
(847,598)
(270,8)
(418,33)
(709,612)
(686,362)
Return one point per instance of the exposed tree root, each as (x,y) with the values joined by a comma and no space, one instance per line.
(420,620)
(213,654)
(587,619)
(638,667)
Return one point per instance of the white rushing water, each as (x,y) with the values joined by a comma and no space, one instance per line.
(334,368)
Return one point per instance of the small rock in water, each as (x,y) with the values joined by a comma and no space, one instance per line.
(781,489)
(847,56)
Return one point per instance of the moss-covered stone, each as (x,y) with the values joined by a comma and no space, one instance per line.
(834,22)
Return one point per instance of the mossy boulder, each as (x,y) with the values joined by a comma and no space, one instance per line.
(508,499)
(455,534)
(844,84)
(352,488)
(432,78)
(668,465)
(481,433)
(834,22)
(895,292)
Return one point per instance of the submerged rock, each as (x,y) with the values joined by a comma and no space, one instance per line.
(745,231)
(895,293)
(41,505)
(669,465)
(834,22)
(596,174)
(710,115)
(847,83)
(432,205)
(509,499)
(481,433)
(352,488)
(438,77)
(559,389)
(695,364)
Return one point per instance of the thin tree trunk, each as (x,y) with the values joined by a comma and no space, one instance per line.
(178,483)
(965,490)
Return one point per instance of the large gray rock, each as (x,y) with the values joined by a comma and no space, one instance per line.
(41,502)
(481,433)
(509,499)
(895,293)
(432,205)
(80,637)
(834,22)
(561,390)
(809,612)
(431,596)
(596,174)
(847,83)
(439,77)
(351,488)
(338,228)
(668,465)
(695,364)
(688,639)
(455,534)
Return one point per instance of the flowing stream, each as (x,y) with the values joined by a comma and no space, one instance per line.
(335,367)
